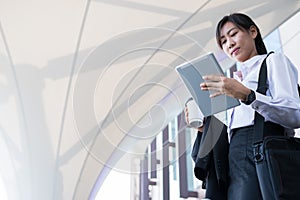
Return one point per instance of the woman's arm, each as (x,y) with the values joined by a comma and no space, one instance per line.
(281,104)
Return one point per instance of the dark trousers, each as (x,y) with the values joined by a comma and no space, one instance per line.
(243,181)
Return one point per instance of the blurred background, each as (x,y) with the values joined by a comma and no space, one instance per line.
(90,104)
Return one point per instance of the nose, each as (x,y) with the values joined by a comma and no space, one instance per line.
(230,43)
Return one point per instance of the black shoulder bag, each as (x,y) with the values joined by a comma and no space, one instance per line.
(277,158)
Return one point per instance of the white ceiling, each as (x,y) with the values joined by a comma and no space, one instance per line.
(86,83)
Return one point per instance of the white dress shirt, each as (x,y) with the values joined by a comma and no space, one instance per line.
(281,104)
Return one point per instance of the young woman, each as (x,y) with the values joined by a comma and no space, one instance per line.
(239,37)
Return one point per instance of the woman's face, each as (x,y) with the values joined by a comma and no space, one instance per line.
(237,43)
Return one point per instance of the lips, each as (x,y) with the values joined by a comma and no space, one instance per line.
(235,51)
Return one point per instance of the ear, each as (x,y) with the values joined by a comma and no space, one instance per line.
(253,31)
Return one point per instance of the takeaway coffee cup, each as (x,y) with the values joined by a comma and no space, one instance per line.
(195,116)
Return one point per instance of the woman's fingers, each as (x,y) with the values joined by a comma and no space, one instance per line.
(187,115)
(219,85)
(215,86)
(215,94)
(214,83)
(215,78)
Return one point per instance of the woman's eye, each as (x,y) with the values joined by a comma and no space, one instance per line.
(233,34)
(223,41)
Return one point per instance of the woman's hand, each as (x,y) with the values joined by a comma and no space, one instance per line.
(219,85)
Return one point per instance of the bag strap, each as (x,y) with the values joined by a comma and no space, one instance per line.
(259,121)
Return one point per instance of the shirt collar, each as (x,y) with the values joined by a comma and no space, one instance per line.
(252,61)
(248,65)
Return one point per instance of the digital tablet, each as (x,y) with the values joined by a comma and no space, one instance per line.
(191,73)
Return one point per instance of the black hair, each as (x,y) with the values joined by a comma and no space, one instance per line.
(243,22)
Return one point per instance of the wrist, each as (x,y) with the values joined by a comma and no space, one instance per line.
(249,98)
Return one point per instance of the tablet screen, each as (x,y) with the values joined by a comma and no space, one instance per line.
(191,73)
